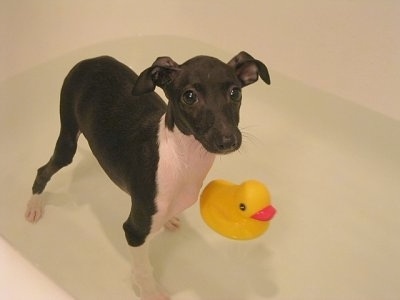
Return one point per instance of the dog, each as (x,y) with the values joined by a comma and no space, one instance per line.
(158,153)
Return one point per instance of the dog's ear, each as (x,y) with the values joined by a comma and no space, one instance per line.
(162,72)
(248,69)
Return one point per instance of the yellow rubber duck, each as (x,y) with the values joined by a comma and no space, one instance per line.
(240,212)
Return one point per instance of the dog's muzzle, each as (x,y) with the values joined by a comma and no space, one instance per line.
(225,144)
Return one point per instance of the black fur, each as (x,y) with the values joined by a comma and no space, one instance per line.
(121,130)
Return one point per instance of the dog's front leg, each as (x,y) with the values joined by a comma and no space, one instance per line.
(139,230)
(143,276)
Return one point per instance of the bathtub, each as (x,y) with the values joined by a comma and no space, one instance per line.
(317,137)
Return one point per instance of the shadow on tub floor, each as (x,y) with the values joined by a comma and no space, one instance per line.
(216,269)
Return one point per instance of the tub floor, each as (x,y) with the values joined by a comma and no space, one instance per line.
(333,169)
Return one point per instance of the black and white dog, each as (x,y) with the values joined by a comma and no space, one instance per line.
(158,153)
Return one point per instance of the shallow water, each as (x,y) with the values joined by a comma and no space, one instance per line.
(333,169)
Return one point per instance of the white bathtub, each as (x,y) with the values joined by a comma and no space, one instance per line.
(328,152)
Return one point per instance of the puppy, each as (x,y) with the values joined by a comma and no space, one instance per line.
(157,153)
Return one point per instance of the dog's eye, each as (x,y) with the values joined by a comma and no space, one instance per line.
(242,206)
(189,97)
(236,94)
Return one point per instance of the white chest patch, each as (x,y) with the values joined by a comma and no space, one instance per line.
(183,165)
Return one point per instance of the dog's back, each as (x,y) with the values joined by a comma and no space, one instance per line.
(120,128)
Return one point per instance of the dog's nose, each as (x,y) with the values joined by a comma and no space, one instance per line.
(227,143)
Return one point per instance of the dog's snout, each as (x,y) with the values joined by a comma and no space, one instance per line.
(227,143)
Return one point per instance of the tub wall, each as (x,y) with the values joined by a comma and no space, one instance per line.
(348,48)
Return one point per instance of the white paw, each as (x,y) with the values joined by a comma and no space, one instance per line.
(150,289)
(157,296)
(173,224)
(35,209)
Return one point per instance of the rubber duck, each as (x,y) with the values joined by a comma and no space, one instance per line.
(240,212)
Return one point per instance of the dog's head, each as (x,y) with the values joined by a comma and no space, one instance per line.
(204,96)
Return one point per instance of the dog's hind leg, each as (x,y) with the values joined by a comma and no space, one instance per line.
(63,154)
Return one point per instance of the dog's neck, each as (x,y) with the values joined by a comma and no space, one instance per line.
(183,148)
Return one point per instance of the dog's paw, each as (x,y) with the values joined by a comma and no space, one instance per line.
(173,224)
(159,296)
(150,289)
(35,209)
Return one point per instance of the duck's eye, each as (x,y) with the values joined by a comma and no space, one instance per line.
(189,97)
(236,94)
(242,206)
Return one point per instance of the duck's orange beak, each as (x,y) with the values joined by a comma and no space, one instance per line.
(265,214)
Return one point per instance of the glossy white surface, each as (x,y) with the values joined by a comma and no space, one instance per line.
(332,166)
(19,279)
